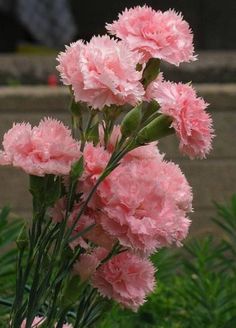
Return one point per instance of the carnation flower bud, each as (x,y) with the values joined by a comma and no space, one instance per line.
(77,169)
(131,121)
(158,128)
(150,111)
(151,71)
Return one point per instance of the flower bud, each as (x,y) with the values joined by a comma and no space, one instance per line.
(131,121)
(77,169)
(151,71)
(156,129)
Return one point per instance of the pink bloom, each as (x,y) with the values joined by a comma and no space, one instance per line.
(36,323)
(69,62)
(125,278)
(144,204)
(95,234)
(163,35)
(102,72)
(151,88)
(88,263)
(4,159)
(95,159)
(58,211)
(45,149)
(113,140)
(149,151)
(193,125)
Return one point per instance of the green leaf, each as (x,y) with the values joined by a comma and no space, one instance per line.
(72,292)
(22,240)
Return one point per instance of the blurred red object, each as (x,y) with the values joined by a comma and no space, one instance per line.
(52,80)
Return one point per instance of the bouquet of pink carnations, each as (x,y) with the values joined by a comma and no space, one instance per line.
(104,198)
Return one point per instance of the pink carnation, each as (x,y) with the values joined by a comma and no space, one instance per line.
(149,151)
(126,279)
(45,149)
(104,72)
(38,321)
(69,62)
(144,203)
(88,263)
(96,234)
(113,140)
(193,125)
(95,159)
(163,35)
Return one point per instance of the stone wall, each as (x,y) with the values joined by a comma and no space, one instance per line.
(211,179)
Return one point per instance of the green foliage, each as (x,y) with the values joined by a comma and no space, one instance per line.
(196,285)
(9,230)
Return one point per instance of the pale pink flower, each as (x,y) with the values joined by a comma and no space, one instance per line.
(38,321)
(151,88)
(69,62)
(95,159)
(113,140)
(95,234)
(125,278)
(45,149)
(104,72)
(149,151)
(88,263)
(58,211)
(193,125)
(163,35)
(144,204)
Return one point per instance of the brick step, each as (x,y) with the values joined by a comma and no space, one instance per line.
(212,67)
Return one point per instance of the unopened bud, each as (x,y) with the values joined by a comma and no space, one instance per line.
(77,169)
(156,129)
(131,121)
(151,71)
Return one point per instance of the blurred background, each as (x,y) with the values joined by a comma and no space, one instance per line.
(32,32)
(56,22)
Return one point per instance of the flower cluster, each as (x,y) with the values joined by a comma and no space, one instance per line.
(119,200)
(103,72)
(142,205)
